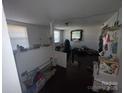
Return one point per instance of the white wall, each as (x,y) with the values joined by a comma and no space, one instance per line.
(10,79)
(37,34)
(90,36)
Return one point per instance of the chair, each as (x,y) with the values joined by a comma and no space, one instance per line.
(67,48)
(103,80)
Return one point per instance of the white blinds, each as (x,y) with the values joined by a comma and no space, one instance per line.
(18,35)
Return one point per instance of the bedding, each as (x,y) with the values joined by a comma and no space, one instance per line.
(35,80)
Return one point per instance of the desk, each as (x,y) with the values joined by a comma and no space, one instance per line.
(78,53)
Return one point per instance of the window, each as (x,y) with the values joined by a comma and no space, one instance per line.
(56,36)
(18,36)
(76,35)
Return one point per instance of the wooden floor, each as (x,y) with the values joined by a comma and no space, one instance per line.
(73,79)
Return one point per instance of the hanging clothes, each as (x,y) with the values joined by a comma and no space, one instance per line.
(106,41)
(108,38)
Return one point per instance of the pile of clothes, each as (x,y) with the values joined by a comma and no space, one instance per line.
(35,80)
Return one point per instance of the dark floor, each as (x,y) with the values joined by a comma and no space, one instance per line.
(73,79)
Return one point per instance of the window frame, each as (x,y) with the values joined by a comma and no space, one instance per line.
(81,34)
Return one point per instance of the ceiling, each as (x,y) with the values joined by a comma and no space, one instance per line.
(60,11)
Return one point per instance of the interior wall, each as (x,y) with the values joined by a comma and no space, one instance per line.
(90,36)
(10,79)
(37,34)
